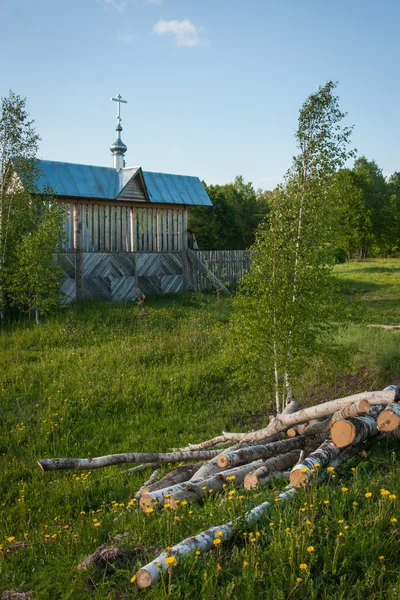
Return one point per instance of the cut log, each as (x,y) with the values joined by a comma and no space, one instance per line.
(283,422)
(263,474)
(352,431)
(151,573)
(76,464)
(210,467)
(357,408)
(301,474)
(230,459)
(196,490)
(389,419)
(146,486)
(177,475)
(317,426)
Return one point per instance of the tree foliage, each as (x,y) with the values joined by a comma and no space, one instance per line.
(287,302)
(25,215)
(231,222)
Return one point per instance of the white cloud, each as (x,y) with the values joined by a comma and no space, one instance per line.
(183,32)
(125,37)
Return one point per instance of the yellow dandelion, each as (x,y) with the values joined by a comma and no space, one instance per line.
(158,565)
(326,502)
(97,524)
(287,529)
(217,541)
(341,521)
(219,534)
(346,527)
(177,518)
(393,520)
(245,564)
(149,510)
(381,557)
(302,510)
(190,512)
(345,489)
(303,567)
(310,549)
(308,522)
(10,539)
(355,503)
(271,524)
(392,497)
(304,470)
(171,560)
(82,512)
(133,579)
(317,465)
(219,567)
(368,495)
(385,492)
(198,552)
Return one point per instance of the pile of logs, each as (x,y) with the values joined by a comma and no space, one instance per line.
(298,445)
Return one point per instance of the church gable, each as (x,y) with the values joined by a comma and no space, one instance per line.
(135,189)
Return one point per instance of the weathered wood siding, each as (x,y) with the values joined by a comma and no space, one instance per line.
(117,276)
(124,228)
(227,265)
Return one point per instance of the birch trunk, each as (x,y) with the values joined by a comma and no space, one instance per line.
(56,464)
(230,459)
(178,475)
(301,474)
(198,489)
(283,422)
(389,419)
(315,427)
(151,573)
(276,464)
(352,431)
(355,409)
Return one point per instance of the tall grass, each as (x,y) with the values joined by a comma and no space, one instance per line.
(98,379)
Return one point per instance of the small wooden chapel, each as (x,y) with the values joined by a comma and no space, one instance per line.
(125,228)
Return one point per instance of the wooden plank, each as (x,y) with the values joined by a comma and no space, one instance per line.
(175,231)
(154,241)
(185,229)
(145,232)
(128,230)
(159,230)
(164,230)
(123,229)
(134,229)
(180,228)
(96,228)
(140,229)
(107,242)
(71,226)
(150,228)
(90,227)
(101,228)
(119,230)
(169,231)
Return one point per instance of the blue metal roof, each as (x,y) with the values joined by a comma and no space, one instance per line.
(105,183)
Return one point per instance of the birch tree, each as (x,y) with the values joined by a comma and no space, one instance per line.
(286,304)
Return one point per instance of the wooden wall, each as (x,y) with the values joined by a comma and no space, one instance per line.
(102,227)
(121,276)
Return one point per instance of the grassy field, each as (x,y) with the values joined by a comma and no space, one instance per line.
(100,379)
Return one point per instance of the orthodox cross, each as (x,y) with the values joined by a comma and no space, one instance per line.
(119,100)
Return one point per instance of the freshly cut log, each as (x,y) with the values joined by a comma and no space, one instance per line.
(230,459)
(354,410)
(389,419)
(56,464)
(283,422)
(196,490)
(151,573)
(276,464)
(352,431)
(301,474)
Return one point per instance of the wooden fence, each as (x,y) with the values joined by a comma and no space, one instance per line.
(117,276)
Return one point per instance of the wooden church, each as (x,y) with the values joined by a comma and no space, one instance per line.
(126,229)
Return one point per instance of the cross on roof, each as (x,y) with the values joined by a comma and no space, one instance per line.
(119,100)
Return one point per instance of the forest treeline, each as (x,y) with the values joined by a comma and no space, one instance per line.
(368,206)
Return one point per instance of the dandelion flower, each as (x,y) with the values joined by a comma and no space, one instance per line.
(355,503)
(381,557)
(133,579)
(392,497)
(326,502)
(245,564)
(303,567)
(330,469)
(149,510)
(171,560)
(345,489)
(304,470)
(393,520)
(368,494)
(198,552)
(217,541)
(317,465)
(10,539)
(97,524)
(341,521)
(385,492)
(310,549)
(219,534)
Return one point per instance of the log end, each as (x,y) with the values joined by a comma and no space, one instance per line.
(39,463)
(143,578)
(146,501)
(250,481)
(387,421)
(298,479)
(342,433)
(222,461)
(363,406)
(292,432)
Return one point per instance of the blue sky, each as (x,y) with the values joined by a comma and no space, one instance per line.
(213,86)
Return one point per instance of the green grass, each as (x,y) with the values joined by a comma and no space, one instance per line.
(99,379)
